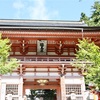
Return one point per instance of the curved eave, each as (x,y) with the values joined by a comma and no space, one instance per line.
(83,28)
(41,28)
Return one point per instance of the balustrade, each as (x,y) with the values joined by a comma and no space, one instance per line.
(47,59)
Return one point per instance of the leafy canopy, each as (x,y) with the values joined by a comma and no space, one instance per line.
(94,19)
(6,65)
(88,61)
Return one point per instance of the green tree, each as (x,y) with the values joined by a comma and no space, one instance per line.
(6,65)
(94,19)
(88,61)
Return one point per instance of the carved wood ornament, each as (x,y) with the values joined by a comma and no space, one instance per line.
(23,47)
(59,47)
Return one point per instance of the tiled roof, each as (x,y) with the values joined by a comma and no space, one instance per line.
(41,23)
(44,24)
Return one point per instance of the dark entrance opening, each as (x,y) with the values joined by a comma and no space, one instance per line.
(42,94)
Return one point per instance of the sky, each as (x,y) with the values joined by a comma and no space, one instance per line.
(45,9)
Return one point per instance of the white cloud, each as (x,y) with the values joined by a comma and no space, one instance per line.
(18,5)
(38,11)
(34,9)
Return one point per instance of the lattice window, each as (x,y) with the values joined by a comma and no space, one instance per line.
(12,88)
(75,88)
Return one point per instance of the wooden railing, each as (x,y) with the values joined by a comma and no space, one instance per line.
(43,59)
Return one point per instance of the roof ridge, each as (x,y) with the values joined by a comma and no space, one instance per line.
(60,23)
(40,20)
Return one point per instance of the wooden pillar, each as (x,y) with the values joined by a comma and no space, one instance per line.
(58,94)
(3,92)
(20,88)
(20,92)
(62,83)
(63,90)
(24,90)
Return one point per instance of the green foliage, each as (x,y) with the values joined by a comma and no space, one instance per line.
(94,19)
(88,61)
(5,64)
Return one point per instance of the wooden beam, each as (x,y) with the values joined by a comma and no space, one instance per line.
(41,77)
(41,87)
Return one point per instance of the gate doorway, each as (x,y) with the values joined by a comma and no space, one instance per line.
(52,87)
(41,94)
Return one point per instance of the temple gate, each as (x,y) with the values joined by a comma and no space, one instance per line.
(45,50)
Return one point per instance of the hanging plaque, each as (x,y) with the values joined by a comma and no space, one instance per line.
(41,47)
